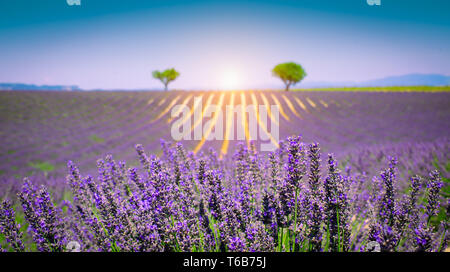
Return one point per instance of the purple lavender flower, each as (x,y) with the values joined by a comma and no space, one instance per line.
(314,200)
(424,232)
(336,208)
(9,228)
(45,221)
(387,209)
(423,238)
(434,186)
(384,231)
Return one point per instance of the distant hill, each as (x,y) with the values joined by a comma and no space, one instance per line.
(410,80)
(32,87)
(403,80)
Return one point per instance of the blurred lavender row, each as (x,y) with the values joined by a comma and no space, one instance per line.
(41,131)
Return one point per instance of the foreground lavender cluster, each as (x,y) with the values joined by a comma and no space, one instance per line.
(287,201)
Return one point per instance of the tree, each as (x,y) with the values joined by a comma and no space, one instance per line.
(290,73)
(166,76)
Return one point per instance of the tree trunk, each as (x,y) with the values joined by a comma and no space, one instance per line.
(287,87)
(165,87)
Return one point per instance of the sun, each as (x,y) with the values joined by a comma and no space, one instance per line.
(229,80)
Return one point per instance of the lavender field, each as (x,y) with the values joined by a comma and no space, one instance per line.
(351,168)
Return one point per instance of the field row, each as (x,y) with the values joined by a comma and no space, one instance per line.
(41,131)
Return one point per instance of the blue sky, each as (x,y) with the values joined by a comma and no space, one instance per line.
(219,44)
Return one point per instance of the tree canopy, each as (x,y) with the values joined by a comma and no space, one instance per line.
(289,72)
(166,76)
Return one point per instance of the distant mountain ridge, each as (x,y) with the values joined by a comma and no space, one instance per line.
(33,87)
(403,80)
(410,79)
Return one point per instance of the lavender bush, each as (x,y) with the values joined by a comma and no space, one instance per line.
(289,200)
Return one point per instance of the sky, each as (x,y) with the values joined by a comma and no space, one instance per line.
(219,44)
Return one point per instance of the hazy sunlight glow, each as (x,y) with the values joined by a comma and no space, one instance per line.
(229,80)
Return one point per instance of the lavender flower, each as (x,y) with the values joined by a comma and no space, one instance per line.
(9,228)
(336,208)
(45,222)
(314,200)
(434,186)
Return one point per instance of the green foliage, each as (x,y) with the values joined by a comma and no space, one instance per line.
(290,73)
(447,167)
(166,76)
(43,166)
(96,138)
